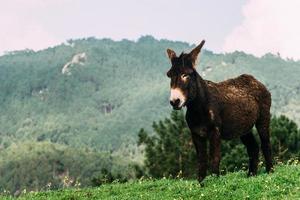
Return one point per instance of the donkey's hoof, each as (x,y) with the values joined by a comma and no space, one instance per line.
(201,184)
(270,170)
(200,181)
(251,174)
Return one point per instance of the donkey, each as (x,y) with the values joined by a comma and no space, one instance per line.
(223,110)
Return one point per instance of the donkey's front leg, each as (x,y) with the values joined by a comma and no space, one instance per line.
(215,150)
(200,145)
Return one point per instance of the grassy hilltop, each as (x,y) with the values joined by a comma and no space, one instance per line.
(284,183)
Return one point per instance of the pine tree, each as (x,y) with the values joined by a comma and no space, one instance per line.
(170,151)
(285,138)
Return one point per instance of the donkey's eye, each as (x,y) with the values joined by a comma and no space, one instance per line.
(184,76)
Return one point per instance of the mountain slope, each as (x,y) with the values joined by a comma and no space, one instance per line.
(117,89)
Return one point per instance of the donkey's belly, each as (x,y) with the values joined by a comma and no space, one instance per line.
(239,119)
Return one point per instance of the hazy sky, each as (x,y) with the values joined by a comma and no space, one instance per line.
(254,26)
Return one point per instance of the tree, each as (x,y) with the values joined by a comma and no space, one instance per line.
(169,149)
(285,138)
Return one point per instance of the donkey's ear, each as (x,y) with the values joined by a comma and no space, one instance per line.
(195,52)
(171,54)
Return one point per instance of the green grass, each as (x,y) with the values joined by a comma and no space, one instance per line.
(284,183)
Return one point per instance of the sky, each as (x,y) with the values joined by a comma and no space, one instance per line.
(253,26)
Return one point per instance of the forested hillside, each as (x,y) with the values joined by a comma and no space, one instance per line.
(37,166)
(111,89)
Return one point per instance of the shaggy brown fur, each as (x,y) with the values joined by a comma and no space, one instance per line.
(224,110)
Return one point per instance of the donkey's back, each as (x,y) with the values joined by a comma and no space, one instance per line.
(241,101)
(246,84)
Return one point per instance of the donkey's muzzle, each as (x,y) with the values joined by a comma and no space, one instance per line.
(175,104)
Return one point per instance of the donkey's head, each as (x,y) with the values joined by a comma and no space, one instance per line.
(183,76)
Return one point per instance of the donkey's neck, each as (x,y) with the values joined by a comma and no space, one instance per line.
(200,102)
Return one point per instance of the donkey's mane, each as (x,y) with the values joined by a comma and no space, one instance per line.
(182,55)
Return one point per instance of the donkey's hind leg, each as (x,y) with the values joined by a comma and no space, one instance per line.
(262,126)
(252,150)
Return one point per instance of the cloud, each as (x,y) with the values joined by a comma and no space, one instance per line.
(18,36)
(21,29)
(268,26)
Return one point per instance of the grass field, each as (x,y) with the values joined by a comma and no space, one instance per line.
(284,183)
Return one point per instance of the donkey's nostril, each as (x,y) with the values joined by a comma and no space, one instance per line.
(172,103)
(175,103)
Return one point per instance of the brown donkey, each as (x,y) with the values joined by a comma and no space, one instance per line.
(224,110)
